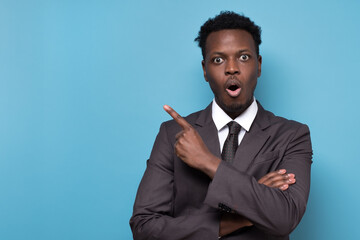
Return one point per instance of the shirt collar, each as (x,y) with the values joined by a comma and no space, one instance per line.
(245,119)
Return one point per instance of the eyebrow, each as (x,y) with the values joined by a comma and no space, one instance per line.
(240,51)
(244,50)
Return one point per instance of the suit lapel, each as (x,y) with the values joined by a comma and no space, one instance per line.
(251,144)
(253,141)
(208,132)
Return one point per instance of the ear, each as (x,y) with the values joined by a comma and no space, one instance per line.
(259,65)
(204,70)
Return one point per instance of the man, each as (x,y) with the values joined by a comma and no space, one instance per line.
(227,171)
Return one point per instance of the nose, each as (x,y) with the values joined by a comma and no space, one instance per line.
(232,67)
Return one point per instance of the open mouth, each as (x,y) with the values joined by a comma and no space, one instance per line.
(233,88)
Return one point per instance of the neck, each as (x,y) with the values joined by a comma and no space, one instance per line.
(233,115)
(235,111)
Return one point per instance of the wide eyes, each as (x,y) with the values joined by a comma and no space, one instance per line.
(242,58)
(218,60)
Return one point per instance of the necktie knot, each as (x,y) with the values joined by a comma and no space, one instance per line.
(234,127)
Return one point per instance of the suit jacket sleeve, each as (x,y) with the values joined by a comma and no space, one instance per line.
(153,209)
(271,210)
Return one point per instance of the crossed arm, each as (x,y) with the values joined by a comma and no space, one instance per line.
(231,222)
(190,148)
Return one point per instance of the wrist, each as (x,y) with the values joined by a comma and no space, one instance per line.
(211,166)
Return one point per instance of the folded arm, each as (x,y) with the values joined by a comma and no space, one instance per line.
(272,210)
(267,206)
(231,222)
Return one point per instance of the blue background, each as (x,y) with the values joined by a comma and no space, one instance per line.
(82,81)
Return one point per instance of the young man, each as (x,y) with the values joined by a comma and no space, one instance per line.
(229,170)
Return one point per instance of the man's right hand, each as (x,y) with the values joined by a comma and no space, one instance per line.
(231,222)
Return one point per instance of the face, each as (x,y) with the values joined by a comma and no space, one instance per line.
(231,66)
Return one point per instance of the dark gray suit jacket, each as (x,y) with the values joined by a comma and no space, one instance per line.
(175,201)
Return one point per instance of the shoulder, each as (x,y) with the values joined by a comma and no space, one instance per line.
(283,133)
(279,124)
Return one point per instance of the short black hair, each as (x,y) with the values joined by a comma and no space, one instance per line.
(228,20)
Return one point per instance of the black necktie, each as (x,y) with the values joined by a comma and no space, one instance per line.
(231,142)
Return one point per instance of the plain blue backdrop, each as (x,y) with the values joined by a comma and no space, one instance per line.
(82,84)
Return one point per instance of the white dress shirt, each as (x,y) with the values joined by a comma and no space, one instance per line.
(245,120)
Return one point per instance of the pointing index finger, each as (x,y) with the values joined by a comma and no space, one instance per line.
(180,120)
